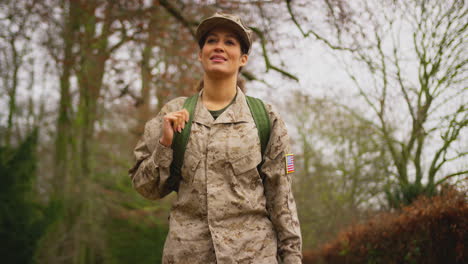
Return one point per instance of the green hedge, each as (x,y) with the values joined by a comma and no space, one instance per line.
(132,241)
(22,220)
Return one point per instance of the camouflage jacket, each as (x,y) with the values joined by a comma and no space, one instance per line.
(225,211)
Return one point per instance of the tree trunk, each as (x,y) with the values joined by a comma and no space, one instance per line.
(12,91)
(144,109)
(64,135)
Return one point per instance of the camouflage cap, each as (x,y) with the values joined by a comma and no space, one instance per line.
(229,20)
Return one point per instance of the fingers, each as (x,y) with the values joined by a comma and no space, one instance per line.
(179,123)
(177,119)
(186,113)
(184,118)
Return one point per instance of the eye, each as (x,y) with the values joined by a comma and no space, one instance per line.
(230,42)
(210,40)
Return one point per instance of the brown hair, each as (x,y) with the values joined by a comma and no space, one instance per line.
(244,47)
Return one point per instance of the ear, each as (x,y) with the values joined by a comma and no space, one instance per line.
(243,59)
(199,56)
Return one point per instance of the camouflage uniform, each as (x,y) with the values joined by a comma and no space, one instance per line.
(225,212)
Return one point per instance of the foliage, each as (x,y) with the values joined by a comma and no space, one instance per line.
(432,230)
(405,194)
(22,220)
(134,240)
(134,228)
(342,168)
(114,63)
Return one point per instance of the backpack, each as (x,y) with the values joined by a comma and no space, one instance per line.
(179,143)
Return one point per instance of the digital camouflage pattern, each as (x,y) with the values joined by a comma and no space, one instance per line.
(232,21)
(225,211)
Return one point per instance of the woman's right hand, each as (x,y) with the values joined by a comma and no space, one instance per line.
(173,122)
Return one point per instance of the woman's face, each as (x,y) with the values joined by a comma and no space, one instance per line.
(221,54)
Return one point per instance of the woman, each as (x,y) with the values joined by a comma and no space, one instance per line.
(227,210)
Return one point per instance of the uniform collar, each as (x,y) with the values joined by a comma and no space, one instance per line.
(237,112)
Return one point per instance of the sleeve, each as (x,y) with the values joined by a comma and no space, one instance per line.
(280,201)
(151,170)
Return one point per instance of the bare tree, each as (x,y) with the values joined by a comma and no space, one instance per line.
(15,46)
(341,167)
(257,14)
(413,54)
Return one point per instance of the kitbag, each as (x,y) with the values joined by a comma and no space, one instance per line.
(179,143)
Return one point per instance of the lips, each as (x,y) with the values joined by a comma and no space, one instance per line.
(218,58)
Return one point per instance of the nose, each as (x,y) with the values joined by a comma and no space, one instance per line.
(219,47)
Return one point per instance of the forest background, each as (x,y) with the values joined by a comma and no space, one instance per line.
(373,94)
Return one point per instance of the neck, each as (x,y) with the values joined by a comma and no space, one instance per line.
(218,93)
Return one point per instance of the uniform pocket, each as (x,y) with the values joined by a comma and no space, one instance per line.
(246,163)
(189,167)
(246,183)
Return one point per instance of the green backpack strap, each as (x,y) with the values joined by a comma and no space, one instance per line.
(262,120)
(179,144)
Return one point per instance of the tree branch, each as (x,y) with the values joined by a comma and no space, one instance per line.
(189,25)
(451,176)
(400,81)
(449,136)
(267,59)
(316,35)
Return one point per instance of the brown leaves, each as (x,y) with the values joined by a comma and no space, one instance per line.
(431,230)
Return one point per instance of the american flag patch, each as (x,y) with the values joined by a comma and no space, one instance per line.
(289,163)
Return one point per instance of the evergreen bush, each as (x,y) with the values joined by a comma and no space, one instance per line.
(22,220)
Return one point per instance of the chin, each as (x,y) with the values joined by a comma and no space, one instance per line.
(217,72)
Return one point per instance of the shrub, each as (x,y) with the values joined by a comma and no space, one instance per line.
(132,241)
(431,230)
(22,220)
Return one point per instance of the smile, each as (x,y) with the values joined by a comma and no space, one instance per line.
(218,58)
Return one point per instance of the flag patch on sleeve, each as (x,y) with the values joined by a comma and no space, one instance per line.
(289,163)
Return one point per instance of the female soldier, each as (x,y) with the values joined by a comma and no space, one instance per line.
(227,210)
